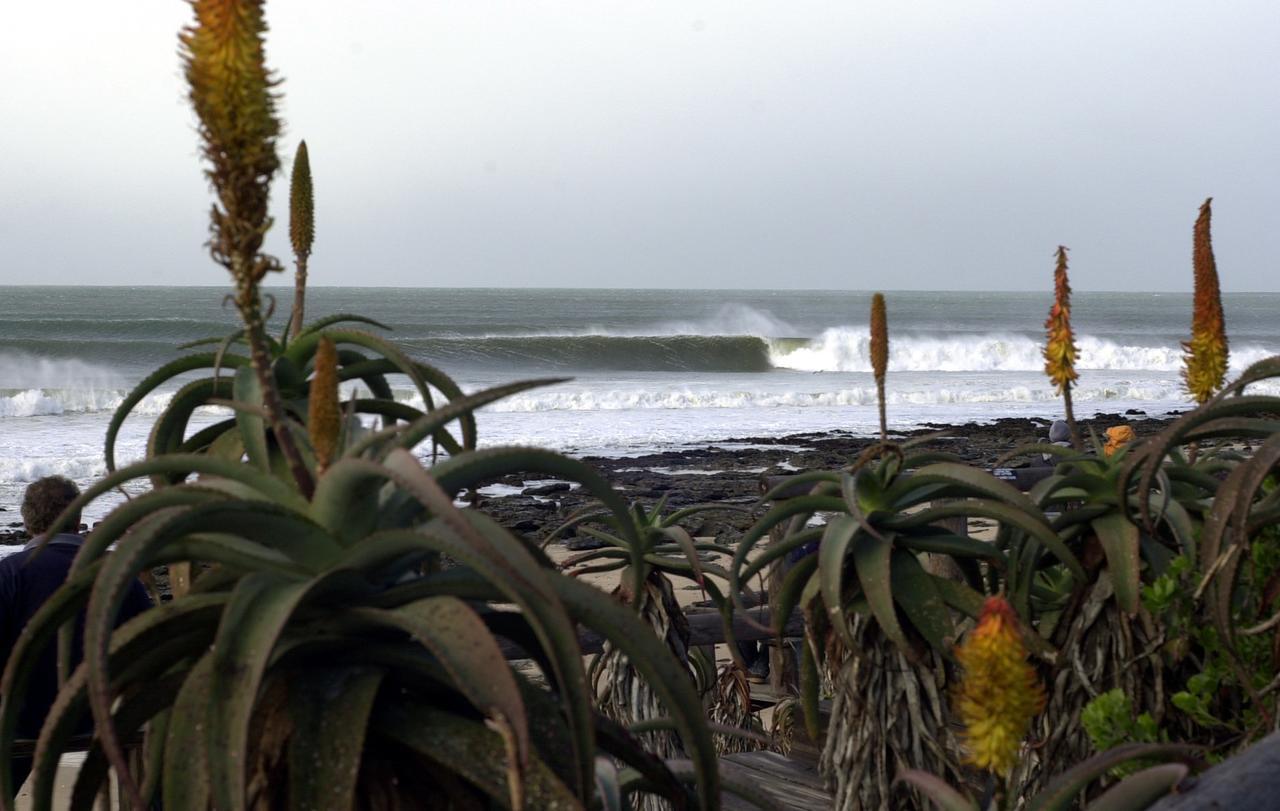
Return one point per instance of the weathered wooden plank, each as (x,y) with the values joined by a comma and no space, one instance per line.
(788,783)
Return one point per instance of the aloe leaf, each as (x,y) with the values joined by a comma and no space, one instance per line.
(787,597)
(1032,522)
(169,430)
(330,710)
(407,436)
(873,558)
(938,790)
(921,601)
(149,384)
(186,781)
(1119,539)
(253,428)
(972,481)
(468,469)
(1140,790)
(952,545)
(791,483)
(802,505)
(510,568)
(269,487)
(340,318)
(842,532)
(463,645)
(959,596)
(665,676)
(775,551)
(133,712)
(608,791)
(1062,790)
(260,608)
(473,752)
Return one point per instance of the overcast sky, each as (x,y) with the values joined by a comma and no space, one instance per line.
(894,145)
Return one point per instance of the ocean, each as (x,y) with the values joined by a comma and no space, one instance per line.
(651,369)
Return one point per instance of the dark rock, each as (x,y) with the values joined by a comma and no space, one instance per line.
(583,544)
(546,489)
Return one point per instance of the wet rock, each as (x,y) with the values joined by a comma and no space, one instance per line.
(546,489)
(584,544)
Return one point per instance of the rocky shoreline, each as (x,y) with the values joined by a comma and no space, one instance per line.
(728,472)
(731,471)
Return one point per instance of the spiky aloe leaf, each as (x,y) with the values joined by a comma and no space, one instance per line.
(913,589)
(1140,790)
(463,645)
(1119,539)
(470,750)
(1205,355)
(1061,792)
(873,557)
(153,381)
(253,429)
(330,712)
(841,533)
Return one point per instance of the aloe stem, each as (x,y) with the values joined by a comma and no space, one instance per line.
(1076,443)
(299,295)
(255,333)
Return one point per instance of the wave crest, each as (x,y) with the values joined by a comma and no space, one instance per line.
(847,349)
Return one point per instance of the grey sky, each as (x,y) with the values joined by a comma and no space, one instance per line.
(895,145)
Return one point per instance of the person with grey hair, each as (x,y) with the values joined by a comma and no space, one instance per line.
(30,577)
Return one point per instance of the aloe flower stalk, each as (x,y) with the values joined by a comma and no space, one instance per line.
(302,230)
(999,692)
(324,418)
(1060,348)
(1205,355)
(880,355)
(232,93)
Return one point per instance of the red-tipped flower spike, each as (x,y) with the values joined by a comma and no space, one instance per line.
(1205,355)
(880,354)
(999,693)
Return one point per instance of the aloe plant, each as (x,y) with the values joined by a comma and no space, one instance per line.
(656,550)
(872,586)
(327,596)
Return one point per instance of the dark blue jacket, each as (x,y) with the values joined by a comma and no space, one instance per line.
(26,581)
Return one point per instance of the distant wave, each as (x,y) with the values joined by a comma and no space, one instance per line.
(846,349)
(654,353)
(52,402)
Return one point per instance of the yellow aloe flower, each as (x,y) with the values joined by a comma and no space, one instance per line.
(324,419)
(999,693)
(1060,350)
(1205,357)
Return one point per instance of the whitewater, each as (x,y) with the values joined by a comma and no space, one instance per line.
(651,370)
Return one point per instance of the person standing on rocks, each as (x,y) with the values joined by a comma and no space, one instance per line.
(30,577)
